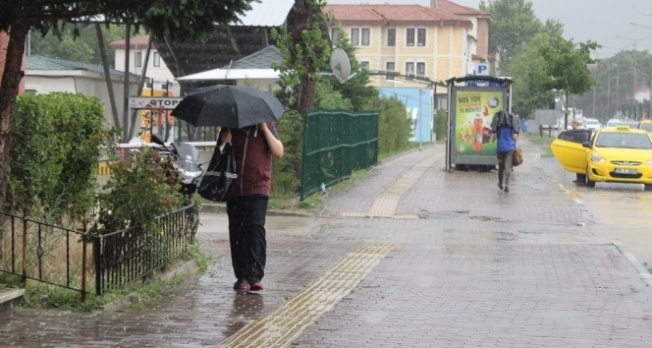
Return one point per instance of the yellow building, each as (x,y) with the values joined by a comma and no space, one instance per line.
(439,42)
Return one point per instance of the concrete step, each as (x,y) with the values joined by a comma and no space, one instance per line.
(9,297)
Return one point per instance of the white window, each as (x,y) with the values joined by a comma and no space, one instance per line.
(335,34)
(157,59)
(415,34)
(391,37)
(421,37)
(364,65)
(409,68)
(421,69)
(360,36)
(390,67)
(138,59)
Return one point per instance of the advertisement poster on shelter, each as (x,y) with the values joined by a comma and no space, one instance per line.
(474,110)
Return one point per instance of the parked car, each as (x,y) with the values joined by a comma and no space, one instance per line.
(630,123)
(645,125)
(613,122)
(592,124)
(620,154)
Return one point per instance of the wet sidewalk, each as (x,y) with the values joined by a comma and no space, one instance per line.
(411,256)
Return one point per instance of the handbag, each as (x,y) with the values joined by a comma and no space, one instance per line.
(518,157)
(218,182)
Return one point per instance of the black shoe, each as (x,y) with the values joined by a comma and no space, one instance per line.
(500,186)
(506,188)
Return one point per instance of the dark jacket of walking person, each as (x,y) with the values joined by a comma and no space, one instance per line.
(253,148)
(505,131)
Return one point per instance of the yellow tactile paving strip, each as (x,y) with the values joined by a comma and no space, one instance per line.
(386,203)
(282,326)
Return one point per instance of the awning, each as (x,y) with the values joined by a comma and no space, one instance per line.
(232,74)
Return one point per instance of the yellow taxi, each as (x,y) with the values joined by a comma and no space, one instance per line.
(613,154)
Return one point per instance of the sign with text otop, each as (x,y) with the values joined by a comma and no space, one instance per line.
(167,103)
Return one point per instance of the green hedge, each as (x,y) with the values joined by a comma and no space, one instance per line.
(54,154)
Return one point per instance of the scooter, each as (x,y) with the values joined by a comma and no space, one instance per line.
(184,158)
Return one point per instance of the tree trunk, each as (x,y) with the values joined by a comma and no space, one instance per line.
(300,20)
(11,78)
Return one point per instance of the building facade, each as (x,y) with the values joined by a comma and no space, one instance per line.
(159,76)
(411,40)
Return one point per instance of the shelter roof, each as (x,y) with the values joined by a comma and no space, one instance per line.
(254,66)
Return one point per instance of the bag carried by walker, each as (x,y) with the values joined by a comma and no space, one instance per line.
(218,182)
(518,157)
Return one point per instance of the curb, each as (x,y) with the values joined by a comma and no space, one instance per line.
(215,208)
(642,271)
(122,304)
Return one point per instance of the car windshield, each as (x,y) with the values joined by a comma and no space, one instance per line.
(624,140)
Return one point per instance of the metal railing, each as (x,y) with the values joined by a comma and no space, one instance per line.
(71,259)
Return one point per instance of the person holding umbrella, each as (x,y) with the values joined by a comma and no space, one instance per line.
(253,147)
(247,118)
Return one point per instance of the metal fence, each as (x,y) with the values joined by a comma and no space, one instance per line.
(336,143)
(72,259)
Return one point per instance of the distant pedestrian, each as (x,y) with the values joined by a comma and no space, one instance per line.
(580,179)
(504,128)
(253,148)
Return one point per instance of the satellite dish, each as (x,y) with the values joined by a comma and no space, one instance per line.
(340,64)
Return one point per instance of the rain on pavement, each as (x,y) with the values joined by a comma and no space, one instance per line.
(412,255)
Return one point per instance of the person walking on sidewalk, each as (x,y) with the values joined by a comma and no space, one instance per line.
(504,128)
(253,147)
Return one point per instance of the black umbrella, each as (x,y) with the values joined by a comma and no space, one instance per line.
(228,106)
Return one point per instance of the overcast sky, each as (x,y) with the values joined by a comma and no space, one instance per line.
(598,20)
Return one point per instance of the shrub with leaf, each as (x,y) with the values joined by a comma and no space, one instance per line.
(52,164)
(142,187)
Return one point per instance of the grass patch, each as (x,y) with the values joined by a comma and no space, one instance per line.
(542,142)
(138,294)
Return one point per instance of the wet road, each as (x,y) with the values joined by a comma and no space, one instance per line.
(411,256)
(619,212)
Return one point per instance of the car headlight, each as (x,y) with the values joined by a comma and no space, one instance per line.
(596,158)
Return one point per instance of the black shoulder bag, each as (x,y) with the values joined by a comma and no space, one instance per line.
(218,182)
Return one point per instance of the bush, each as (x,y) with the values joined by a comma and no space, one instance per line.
(53,164)
(287,170)
(140,188)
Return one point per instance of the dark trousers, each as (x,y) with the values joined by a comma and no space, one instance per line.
(505,160)
(247,236)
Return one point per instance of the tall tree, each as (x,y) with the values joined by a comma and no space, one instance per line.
(175,19)
(306,51)
(549,62)
(513,25)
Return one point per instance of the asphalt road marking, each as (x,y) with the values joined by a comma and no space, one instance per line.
(282,326)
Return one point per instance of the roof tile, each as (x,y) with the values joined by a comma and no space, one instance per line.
(394,13)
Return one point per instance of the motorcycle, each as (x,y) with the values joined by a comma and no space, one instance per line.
(184,158)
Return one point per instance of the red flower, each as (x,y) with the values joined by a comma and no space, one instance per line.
(168,202)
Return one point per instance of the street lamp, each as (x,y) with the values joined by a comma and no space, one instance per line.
(634,40)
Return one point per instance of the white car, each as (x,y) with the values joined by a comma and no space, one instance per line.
(592,124)
(613,122)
